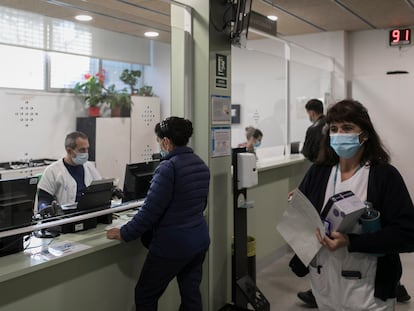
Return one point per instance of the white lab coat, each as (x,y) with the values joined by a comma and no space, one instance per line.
(334,292)
(57,181)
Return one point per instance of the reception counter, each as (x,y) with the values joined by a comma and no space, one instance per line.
(99,276)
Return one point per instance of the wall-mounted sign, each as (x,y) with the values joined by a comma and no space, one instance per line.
(220,141)
(400,37)
(220,109)
(221,71)
(221,65)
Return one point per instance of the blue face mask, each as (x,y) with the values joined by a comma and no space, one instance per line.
(345,145)
(257,144)
(81,158)
(164,153)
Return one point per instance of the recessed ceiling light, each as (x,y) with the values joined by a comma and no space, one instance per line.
(272,17)
(83,18)
(151,34)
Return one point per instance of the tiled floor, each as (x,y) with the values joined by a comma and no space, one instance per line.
(280,285)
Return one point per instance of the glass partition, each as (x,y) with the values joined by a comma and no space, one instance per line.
(259,87)
(272,80)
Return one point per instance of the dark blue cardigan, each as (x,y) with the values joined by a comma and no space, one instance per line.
(389,195)
(174,206)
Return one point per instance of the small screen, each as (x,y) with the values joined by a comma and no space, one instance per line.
(138,178)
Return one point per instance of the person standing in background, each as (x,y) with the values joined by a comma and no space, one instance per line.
(310,150)
(314,133)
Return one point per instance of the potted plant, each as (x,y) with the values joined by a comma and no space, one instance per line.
(130,77)
(146,90)
(119,101)
(92,91)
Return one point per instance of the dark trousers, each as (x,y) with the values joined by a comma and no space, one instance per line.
(157,273)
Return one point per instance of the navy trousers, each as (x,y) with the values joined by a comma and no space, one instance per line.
(157,273)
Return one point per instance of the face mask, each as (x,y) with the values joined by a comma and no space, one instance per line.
(257,144)
(81,158)
(345,145)
(164,153)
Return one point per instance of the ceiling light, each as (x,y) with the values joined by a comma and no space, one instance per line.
(83,18)
(272,17)
(151,34)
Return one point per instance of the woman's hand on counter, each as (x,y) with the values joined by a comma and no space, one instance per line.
(114,234)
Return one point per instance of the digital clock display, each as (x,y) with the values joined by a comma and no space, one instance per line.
(400,37)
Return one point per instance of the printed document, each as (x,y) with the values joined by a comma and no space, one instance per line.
(298,227)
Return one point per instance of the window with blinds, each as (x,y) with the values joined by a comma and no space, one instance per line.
(26,39)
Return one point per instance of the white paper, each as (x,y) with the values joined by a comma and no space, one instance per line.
(55,250)
(298,227)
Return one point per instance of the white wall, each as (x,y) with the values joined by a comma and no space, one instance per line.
(50,117)
(388,98)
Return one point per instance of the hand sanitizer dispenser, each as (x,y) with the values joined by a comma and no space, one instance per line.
(246,170)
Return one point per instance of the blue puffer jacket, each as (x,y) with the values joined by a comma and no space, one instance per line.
(174,206)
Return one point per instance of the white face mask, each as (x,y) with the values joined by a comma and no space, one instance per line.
(80,158)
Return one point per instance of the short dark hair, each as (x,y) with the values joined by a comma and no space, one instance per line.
(349,110)
(314,105)
(178,130)
(70,140)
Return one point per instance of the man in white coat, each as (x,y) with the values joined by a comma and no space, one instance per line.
(65,179)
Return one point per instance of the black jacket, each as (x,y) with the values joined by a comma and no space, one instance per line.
(389,195)
(313,139)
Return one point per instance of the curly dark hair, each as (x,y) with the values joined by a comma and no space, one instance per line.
(178,130)
(349,110)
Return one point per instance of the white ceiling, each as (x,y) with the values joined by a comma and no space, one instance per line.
(294,16)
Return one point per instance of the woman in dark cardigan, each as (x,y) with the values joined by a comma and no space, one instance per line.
(352,158)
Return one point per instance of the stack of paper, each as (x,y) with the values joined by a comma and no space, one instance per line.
(298,227)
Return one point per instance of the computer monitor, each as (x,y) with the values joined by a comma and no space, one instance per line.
(295,147)
(96,196)
(138,179)
(17,198)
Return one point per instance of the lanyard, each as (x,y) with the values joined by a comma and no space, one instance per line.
(336,175)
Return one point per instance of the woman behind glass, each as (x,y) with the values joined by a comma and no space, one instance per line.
(254,138)
(346,274)
(173,208)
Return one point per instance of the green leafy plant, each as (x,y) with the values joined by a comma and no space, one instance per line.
(118,98)
(92,89)
(130,77)
(146,90)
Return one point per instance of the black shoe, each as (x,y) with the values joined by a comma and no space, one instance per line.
(308,298)
(402,294)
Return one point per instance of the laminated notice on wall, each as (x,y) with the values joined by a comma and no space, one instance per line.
(220,141)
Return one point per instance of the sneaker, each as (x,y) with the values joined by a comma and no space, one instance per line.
(308,298)
(402,294)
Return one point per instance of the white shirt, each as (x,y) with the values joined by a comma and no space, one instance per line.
(57,181)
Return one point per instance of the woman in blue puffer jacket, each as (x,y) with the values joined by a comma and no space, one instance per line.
(173,209)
